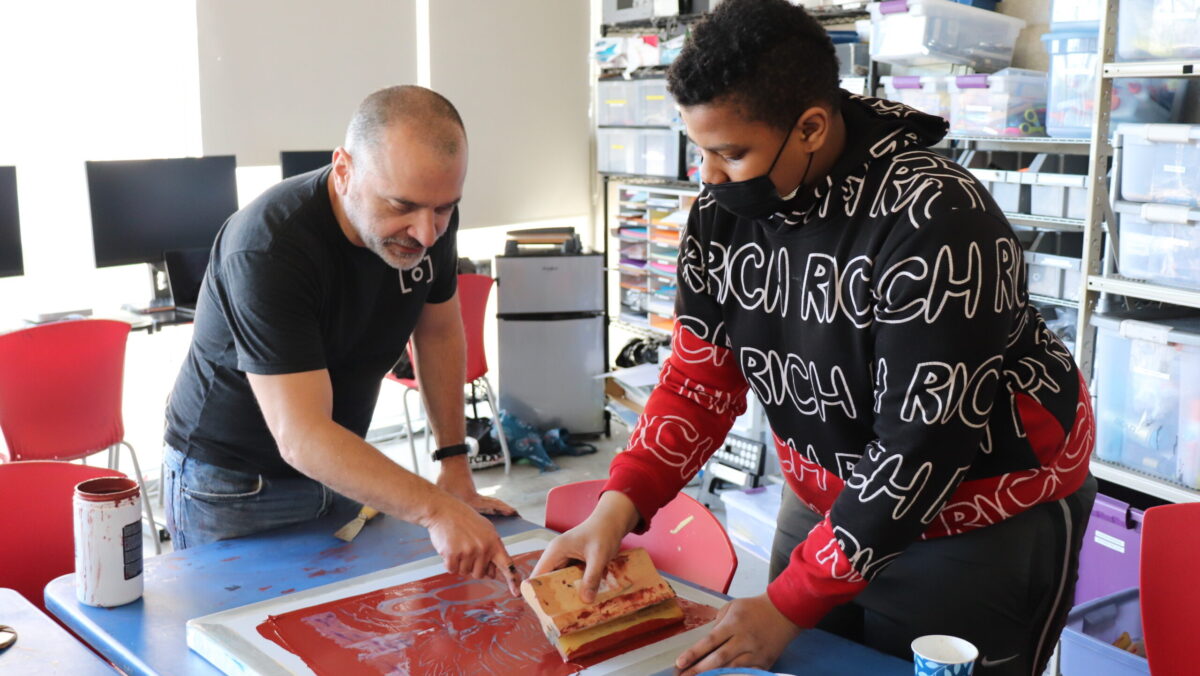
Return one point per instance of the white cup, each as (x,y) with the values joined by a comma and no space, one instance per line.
(108,541)
(940,655)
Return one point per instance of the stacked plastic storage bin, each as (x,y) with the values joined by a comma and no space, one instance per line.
(1073,45)
(1158,29)
(927,93)
(1011,102)
(1148,413)
(1159,214)
(928,32)
(1092,629)
(638,131)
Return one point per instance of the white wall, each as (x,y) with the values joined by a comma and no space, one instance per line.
(84,80)
(518,72)
(287,74)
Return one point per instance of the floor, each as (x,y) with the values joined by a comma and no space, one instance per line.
(525,489)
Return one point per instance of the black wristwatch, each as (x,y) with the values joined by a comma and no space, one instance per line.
(449,452)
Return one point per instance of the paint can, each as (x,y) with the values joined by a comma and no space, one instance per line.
(108,541)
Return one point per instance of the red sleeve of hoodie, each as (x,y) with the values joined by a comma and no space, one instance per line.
(699,394)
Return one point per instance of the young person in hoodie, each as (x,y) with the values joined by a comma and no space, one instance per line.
(933,433)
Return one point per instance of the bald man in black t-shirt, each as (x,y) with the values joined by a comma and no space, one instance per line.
(311,294)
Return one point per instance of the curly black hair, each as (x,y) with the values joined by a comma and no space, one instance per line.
(769,57)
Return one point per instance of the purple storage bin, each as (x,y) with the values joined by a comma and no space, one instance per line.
(1112,548)
(1087,641)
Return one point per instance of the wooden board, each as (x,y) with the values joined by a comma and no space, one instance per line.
(230,639)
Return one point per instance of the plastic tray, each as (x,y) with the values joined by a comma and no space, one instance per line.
(1160,162)
(750,518)
(926,32)
(1072,90)
(927,93)
(1148,396)
(1009,103)
(1158,29)
(1087,648)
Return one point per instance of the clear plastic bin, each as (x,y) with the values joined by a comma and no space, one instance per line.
(1087,641)
(927,93)
(617,151)
(1011,196)
(655,105)
(1058,195)
(1076,14)
(853,58)
(1158,29)
(1160,163)
(1009,103)
(926,32)
(1148,395)
(1072,93)
(661,152)
(618,103)
(750,518)
(1053,276)
(1160,243)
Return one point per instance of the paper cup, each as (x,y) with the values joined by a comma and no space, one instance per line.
(938,655)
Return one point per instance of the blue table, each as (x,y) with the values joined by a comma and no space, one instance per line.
(148,636)
(42,647)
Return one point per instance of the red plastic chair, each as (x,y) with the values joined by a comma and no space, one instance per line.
(60,394)
(473,292)
(684,538)
(1170,599)
(37,541)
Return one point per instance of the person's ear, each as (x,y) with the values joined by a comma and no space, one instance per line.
(812,127)
(342,168)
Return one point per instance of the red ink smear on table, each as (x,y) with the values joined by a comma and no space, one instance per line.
(232,558)
(288,591)
(264,588)
(443,624)
(336,571)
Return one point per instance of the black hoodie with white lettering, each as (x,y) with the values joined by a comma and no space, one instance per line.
(884,323)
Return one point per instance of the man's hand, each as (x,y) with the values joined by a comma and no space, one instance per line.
(455,478)
(469,544)
(748,632)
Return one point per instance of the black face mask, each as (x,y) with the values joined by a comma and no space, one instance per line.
(755,198)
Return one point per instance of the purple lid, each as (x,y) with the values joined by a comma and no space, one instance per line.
(971,81)
(906,82)
(893,7)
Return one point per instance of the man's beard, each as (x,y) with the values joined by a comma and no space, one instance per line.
(388,248)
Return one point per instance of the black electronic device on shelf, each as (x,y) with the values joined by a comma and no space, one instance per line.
(740,462)
(12,263)
(142,208)
(296,162)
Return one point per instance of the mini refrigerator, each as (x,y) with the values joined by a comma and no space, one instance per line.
(551,340)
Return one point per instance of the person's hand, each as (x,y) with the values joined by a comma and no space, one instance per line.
(469,544)
(748,632)
(455,478)
(594,542)
(591,542)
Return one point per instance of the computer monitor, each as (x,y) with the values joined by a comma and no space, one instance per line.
(141,208)
(295,162)
(12,263)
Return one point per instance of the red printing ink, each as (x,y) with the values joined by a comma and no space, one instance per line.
(441,624)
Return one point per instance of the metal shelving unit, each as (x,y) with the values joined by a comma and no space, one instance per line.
(1047,222)
(1130,288)
(1098,277)
(1143,483)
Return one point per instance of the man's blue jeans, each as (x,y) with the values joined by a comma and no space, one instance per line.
(206,503)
